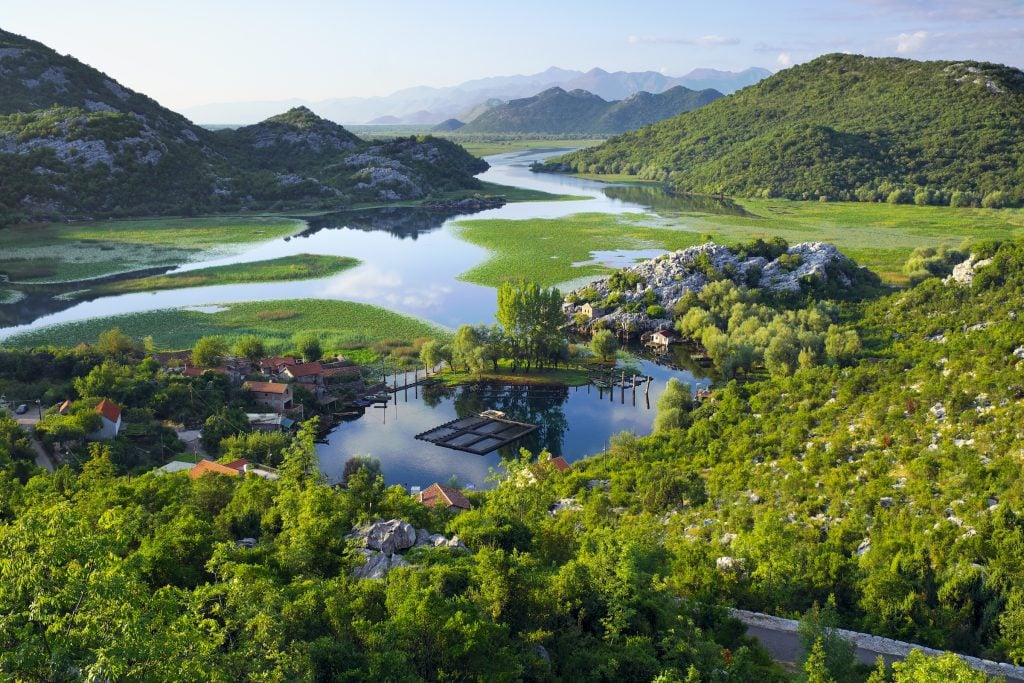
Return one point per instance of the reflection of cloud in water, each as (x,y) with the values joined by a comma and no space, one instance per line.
(388,288)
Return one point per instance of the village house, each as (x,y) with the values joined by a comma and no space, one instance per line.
(211,467)
(591,311)
(444,496)
(243,467)
(309,375)
(277,395)
(273,366)
(110,421)
(662,339)
(269,422)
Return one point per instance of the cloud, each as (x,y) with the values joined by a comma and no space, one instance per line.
(950,10)
(911,42)
(784,59)
(707,41)
(713,40)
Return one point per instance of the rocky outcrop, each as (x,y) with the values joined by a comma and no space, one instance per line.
(383,542)
(964,272)
(670,276)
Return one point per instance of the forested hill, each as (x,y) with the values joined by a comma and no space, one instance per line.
(556,112)
(843,127)
(75,143)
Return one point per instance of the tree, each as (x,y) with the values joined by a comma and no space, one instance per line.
(219,426)
(604,344)
(209,352)
(308,344)
(467,347)
(114,342)
(815,670)
(432,353)
(920,668)
(531,317)
(359,463)
(819,628)
(674,406)
(250,347)
(299,464)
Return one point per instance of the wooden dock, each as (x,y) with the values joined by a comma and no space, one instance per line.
(478,435)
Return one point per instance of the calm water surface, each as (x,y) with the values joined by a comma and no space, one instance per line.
(411,261)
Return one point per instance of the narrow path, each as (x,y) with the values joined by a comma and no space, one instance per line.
(779,636)
(42,457)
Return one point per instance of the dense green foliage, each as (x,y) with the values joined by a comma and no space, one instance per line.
(842,127)
(557,112)
(77,144)
(884,486)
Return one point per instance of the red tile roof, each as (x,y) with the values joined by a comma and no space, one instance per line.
(209,466)
(559,463)
(276,362)
(435,494)
(304,370)
(267,387)
(109,410)
(237,465)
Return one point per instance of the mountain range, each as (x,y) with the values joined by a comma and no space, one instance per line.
(424,105)
(842,127)
(557,112)
(74,143)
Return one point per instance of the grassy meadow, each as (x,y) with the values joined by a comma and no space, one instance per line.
(486,144)
(65,252)
(341,325)
(880,236)
(286,268)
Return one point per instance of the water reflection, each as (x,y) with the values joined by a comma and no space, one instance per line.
(660,200)
(402,222)
(574,422)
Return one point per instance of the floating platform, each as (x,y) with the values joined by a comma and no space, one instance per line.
(478,435)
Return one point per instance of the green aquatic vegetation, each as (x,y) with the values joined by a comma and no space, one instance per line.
(65,252)
(286,268)
(340,325)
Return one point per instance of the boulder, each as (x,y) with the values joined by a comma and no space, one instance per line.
(388,537)
(376,566)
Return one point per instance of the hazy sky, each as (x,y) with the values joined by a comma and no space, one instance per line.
(188,52)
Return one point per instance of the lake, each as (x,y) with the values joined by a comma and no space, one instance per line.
(411,260)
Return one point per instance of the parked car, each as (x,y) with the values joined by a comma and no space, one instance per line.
(22,409)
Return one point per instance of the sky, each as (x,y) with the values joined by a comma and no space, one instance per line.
(191,52)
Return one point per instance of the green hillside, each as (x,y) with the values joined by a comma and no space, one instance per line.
(557,112)
(841,127)
(76,144)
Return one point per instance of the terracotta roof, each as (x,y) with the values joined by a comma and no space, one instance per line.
(209,466)
(276,362)
(237,465)
(267,387)
(304,370)
(109,410)
(193,371)
(668,334)
(435,494)
(559,463)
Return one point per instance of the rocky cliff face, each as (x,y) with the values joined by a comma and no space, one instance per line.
(664,280)
(76,144)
